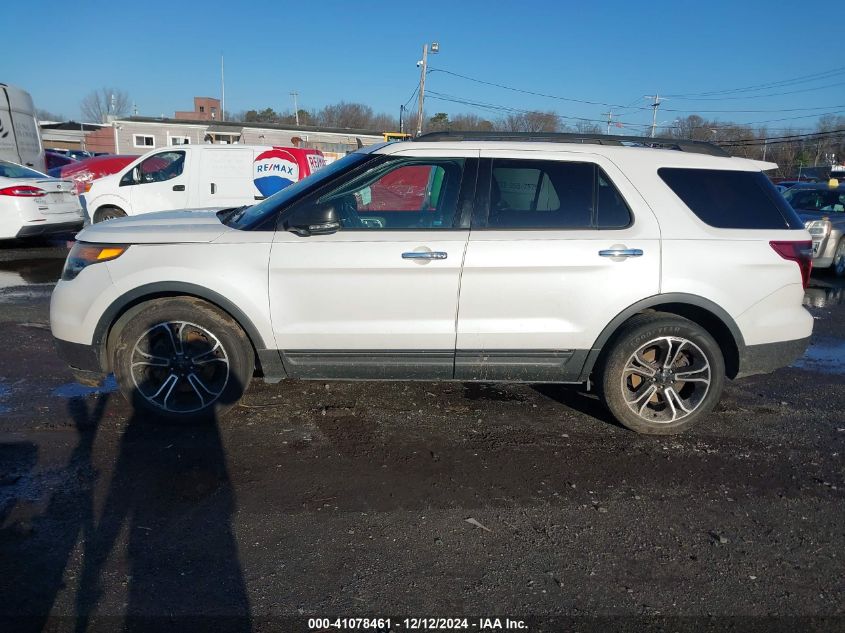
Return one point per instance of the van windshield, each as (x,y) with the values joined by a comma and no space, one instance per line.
(255,215)
(13,170)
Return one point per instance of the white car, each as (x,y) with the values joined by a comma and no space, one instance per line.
(650,274)
(32,203)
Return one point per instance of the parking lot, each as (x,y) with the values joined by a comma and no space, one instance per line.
(398,499)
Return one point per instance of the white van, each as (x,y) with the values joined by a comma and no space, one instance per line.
(199,177)
(20,138)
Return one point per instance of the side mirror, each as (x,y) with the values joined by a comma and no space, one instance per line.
(318,220)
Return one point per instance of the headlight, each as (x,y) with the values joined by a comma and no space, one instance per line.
(83,255)
(818,228)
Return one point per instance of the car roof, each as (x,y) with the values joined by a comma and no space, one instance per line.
(617,153)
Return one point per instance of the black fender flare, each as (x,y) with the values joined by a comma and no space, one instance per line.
(164,289)
(678,298)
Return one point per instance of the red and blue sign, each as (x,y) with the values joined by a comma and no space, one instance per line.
(274,170)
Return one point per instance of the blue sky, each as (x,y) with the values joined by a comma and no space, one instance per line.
(164,53)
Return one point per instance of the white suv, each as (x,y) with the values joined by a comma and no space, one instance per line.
(651,273)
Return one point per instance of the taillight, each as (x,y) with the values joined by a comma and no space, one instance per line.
(799,252)
(23,191)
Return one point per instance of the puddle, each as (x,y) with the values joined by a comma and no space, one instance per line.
(26,272)
(76,390)
(824,355)
(5,391)
(823,297)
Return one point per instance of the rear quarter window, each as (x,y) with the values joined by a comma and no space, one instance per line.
(728,199)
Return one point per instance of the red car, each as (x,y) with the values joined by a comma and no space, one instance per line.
(84,172)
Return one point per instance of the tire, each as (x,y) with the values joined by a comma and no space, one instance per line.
(108,213)
(643,391)
(838,265)
(180,359)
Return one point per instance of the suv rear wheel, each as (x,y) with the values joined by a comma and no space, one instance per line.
(662,374)
(181,359)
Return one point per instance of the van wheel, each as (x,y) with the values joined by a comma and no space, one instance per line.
(108,213)
(662,374)
(180,359)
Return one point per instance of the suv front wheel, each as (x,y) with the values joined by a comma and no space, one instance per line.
(181,359)
(661,374)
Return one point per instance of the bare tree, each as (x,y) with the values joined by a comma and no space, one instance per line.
(99,104)
(470,123)
(46,115)
(530,122)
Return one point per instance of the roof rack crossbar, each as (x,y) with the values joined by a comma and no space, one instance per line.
(695,147)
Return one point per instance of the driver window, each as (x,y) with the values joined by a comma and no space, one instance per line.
(401,195)
(162,167)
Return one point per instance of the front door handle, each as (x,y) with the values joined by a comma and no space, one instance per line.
(425,255)
(621,252)
(178,187)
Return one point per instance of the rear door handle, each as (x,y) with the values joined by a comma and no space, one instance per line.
(213,188)
(425,255)
(621,252)
(178,187)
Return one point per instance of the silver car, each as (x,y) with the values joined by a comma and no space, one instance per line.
(822,208)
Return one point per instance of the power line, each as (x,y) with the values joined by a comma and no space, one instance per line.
(772,84)
(773,94)
(530,92)
(757,111)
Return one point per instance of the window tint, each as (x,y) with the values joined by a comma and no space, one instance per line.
(540,194)
(611,210)
(731,199)
(401,194)
(821,200)
(13,170)
(161,167)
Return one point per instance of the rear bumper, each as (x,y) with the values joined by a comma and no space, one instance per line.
(766,358)
(34,230)
(84,361)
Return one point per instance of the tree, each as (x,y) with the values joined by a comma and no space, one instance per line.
(438,123)
(99,104)
(530,122)
(46,115)
(470,123)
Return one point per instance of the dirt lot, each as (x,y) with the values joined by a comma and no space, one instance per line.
(410,500)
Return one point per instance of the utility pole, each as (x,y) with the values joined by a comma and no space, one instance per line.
(222,91)
(655,104)
(609,115)
(423,64)
(295,107)
(765,145)
(401,119)
(423,67)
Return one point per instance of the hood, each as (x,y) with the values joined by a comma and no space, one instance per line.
(164,227)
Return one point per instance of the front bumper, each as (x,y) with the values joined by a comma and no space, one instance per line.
(766,358)
(84,361)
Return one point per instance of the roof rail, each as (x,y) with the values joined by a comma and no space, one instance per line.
(694,147)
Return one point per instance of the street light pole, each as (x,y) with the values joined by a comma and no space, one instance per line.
(423,64)
(295,107)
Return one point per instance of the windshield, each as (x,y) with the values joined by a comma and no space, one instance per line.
(256,214)
(11,170)
(816,200)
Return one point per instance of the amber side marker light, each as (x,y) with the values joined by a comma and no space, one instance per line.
(83,255)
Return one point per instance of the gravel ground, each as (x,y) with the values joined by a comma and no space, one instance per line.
(409,500)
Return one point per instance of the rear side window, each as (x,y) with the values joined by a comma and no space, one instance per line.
(541,194)
(727,199)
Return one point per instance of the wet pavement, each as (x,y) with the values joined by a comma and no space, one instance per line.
(413,499)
